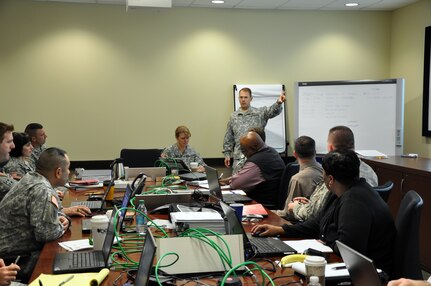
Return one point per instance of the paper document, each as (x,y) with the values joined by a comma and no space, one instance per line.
(80,244)
(82,279)
(371,154)
(301,245)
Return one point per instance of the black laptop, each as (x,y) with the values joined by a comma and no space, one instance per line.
(86,261)
(215,190)
(254,246)
(185,173)
(361,269)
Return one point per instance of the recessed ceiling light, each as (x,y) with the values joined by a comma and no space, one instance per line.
(217,1)
(352,4)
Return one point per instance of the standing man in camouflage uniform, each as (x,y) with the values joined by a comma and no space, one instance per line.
(31,211)
(37,138)
(241,120)
(6,145)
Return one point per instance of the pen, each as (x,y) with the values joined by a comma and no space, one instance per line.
(17,259)
(40,283)
(221,176)
(66,280)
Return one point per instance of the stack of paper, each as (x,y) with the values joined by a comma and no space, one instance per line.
(208,220)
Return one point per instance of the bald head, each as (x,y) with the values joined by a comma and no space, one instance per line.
(250,143)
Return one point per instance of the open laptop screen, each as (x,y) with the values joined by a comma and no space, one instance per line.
(146,261)
(361,269)
(213,183)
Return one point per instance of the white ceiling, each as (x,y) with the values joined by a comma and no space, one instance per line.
(369,5)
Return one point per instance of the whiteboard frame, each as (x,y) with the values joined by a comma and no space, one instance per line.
(399,132)
(255,92)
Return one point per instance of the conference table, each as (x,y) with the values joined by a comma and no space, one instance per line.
(45,262)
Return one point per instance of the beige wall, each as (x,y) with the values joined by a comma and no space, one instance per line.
(407,60)
(100,79)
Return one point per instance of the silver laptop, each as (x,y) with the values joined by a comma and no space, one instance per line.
(94,205)
(361,269)
(152,172)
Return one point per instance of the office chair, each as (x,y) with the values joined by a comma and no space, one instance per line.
(140,157)
(406,254)
(289,171)
(385,190)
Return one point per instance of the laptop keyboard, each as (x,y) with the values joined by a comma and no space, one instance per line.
(91,204)
(263,246)
(235,198)
(86,259)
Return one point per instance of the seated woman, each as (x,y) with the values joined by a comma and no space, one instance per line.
(20,162)
(182,149)
(353,213)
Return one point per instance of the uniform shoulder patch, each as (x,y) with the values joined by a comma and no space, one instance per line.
(54,201)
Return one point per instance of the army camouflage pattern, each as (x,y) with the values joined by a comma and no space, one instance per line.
(35,155)
(189,155)
(6,183)
(30,212)
(19,166)
(240,122)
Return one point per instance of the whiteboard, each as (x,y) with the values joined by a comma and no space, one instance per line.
(267,95)
(374,110)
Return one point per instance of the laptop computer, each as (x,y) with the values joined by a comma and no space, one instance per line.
(86,223)
(254,246)
(215,190)
(185,173)
(153,201)
(146,262)
(86,261)
(361,269)
(94,205)
(152,172)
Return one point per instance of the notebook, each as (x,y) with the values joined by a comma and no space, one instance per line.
(254,246)
(215,190)
(86,261)
(361,269)
(94,205)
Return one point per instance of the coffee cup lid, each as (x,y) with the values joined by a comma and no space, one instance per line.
(314,260)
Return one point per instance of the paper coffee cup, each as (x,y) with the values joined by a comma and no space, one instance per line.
(194,166)
(315,266)
(99,227)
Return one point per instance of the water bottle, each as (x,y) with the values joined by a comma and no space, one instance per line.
(140,219)
(314,281)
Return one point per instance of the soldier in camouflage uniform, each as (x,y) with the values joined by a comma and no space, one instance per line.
(6,146)
(183,150)
(38,138)
(19,163)
(31,211)
(242,120)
